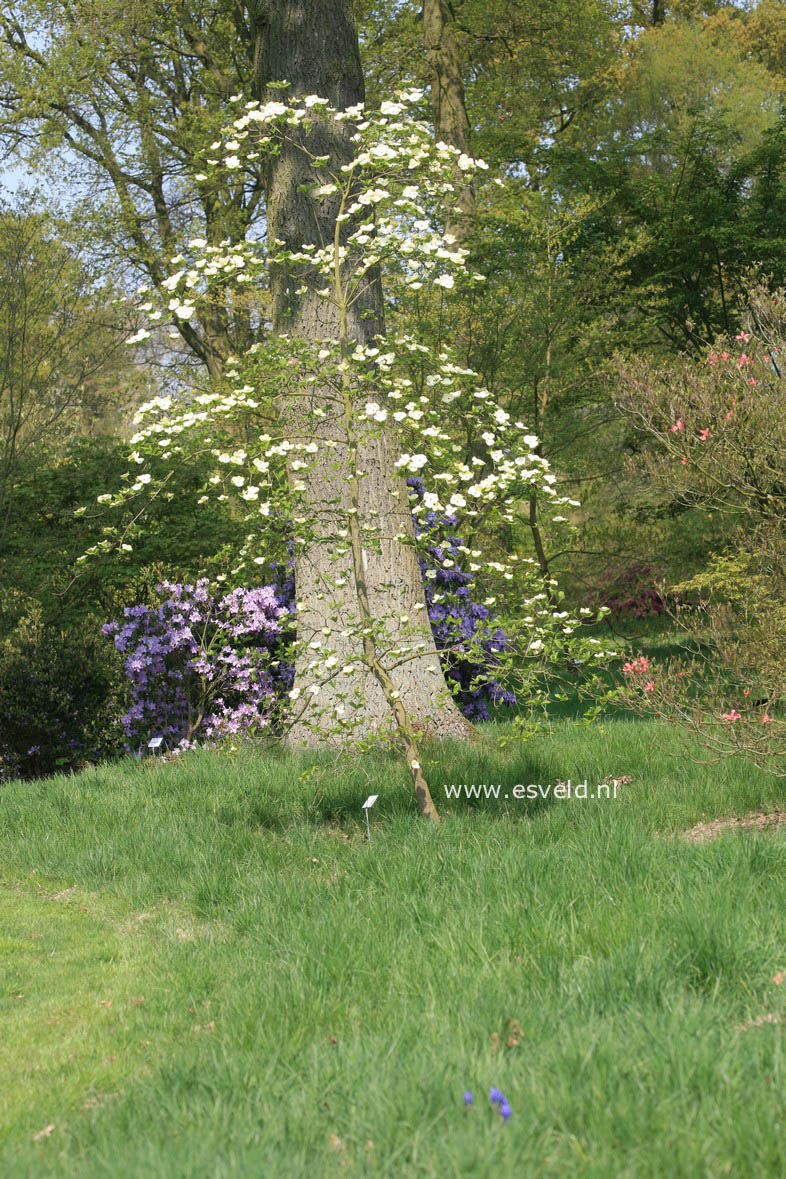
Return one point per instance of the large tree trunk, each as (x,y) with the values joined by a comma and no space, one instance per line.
(313,46)
(447,94)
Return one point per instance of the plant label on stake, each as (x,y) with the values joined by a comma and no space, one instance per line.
(367,805)
(155,744)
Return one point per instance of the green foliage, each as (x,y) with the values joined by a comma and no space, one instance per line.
(64,368)
(688,157)
(44,534)
(60,698)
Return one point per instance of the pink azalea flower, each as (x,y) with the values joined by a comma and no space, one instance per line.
(637,666)
(742,336)
(712,358)
(650,686)
(704,435)
(766,719)
(731,716)
(678,425)
(752,381)
(725,355)
(683,461)
(743,360)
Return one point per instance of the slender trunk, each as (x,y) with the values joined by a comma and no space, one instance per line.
(314,47)
(451,123)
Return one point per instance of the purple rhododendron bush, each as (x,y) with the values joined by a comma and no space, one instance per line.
(202,665)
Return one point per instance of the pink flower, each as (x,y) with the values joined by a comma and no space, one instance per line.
(704,434)
(766,719)
(678,425)
(725,355)
(712,358)
(731,716)
(743,360)
(742,336)
(683,461)
(637,666)
(728,415)
(747,692)
(650,686)
(752,381)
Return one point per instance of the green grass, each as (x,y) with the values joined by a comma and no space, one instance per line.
(206,970)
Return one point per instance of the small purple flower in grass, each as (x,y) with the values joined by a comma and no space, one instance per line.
(468,1099)
(497,1097)
(505,1110)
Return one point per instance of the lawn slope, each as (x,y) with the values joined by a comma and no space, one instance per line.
(207,970)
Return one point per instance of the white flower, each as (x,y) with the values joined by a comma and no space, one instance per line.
(445,280)
(232,162)
(138,337)
(465,162)
(271,109)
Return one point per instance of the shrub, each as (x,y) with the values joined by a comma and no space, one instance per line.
(60,698)
(718,429)
(463,628)
(200,665)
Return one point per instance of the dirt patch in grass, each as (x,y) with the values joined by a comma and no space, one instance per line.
(753,821)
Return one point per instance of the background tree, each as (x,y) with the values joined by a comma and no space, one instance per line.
(64,367)
(318,62)
(129,94)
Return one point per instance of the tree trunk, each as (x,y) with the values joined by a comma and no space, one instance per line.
(313,45)
(451,123)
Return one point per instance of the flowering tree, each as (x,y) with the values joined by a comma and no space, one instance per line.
(331,418)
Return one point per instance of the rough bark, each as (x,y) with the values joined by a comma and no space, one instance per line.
(313,45)
(451,123)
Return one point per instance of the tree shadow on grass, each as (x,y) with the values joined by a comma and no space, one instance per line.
(464,778)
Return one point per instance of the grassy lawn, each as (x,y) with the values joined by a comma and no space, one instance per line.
(206,970)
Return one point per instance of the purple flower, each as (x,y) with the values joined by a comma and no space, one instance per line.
(497,1097)
(468,1100)
(505,1110)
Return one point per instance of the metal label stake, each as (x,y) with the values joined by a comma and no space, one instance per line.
(367,805)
